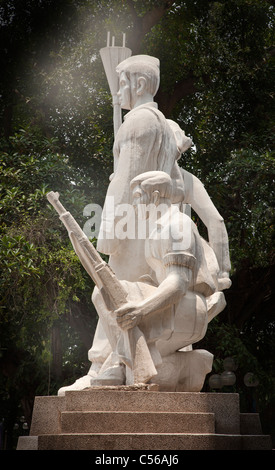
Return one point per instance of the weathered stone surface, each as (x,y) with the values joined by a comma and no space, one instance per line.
(224,406)
(27,443)
(152,442)
(250,423)
(127,388)
(46,415)
(256,442)
(136,422)
(125,419)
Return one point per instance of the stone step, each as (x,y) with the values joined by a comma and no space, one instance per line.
(225,406)
(153,442)
(250,423)
(143,420)
(112,400)
(136,422)
(27,443)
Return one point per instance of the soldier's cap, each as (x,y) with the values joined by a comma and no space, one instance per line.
(139,63)
(151,181)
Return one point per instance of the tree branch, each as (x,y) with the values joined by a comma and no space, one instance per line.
(143,24)
(153,16)
(131,7)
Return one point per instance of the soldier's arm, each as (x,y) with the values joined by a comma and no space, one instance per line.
(197,196)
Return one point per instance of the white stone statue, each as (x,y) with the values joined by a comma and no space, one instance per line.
(173,312)
(148,142)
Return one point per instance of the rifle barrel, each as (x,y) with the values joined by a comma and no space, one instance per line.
(53,198)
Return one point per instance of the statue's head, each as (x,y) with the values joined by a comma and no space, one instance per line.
(138,76)
(151,187)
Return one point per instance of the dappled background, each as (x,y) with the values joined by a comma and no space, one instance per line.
(217,83)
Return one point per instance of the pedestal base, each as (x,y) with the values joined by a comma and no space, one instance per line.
(123,418)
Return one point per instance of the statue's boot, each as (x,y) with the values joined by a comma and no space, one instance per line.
(112,376)
(80,384)
(111,373)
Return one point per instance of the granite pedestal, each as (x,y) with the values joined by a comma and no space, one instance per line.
(110,419)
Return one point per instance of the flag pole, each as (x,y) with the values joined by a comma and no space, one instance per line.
(111,56)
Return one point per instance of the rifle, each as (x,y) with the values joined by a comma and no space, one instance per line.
(136,354)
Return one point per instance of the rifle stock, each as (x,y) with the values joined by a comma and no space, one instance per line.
(97,268)
(113,293)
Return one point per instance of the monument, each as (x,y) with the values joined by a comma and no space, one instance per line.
(172,279)
(161,287)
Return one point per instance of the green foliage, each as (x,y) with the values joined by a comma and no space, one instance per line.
(252,352)
(243,189)
(217,62)
(41,278)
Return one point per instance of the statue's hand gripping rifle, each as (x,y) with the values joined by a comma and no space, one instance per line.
(110,287)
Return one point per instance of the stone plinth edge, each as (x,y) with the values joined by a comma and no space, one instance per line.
(50,413)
